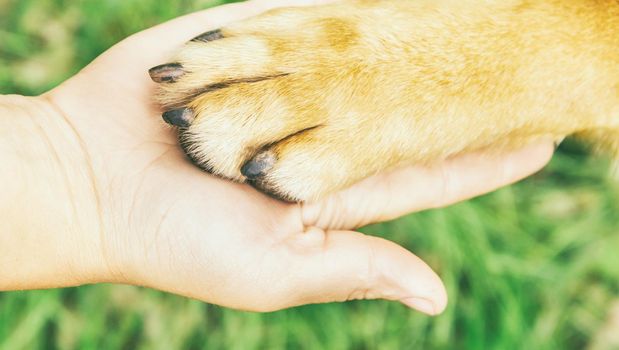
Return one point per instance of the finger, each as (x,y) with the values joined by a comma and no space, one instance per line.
(391,195)
(344,265)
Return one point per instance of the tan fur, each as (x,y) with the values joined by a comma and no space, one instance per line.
(378,84)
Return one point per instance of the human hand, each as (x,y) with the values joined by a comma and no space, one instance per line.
(148,217)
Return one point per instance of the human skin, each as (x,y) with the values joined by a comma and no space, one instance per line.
(95,189)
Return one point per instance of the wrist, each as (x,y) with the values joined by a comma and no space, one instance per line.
(50,232)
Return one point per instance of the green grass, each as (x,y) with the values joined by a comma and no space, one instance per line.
(533,266)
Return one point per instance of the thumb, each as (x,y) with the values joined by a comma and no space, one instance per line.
(346,265)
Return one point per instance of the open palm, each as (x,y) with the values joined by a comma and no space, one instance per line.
(167,225)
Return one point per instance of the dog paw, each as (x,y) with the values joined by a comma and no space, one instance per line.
(302,102)
(279,101)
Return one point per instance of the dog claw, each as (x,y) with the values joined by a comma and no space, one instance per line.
(179,117)
(166,73)
(259,165)
(209,36)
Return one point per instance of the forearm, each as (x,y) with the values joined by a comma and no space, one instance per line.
(44,180)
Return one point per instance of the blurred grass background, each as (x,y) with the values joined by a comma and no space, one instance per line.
(533,266)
